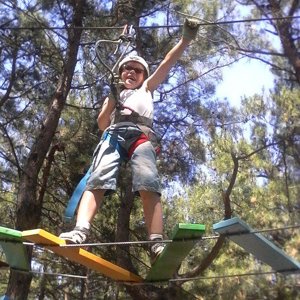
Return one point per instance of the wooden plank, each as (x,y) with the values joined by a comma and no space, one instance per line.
(184,237)
(15,252)
(79,255)
(256,244)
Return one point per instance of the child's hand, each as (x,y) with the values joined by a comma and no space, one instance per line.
(190,28)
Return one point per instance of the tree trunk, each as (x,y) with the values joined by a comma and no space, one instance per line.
(285,35)
(29,206)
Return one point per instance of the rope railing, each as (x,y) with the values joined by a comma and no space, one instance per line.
(167,241)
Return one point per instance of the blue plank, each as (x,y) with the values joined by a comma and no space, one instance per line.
(256,244)
(184,237)
(4,297)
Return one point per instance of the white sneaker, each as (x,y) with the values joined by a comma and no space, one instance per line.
(155,250)
(77,236)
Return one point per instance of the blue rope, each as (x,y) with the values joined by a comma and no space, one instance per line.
(80,188)
(76,196)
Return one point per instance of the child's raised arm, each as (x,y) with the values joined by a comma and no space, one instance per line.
(190,29)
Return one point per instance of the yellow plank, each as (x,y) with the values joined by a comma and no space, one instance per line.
(79,255)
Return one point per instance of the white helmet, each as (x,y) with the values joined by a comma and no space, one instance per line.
(135,58)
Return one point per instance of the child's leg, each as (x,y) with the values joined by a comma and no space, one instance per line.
(146,181)
(154,222)
(89,205)
(153,212)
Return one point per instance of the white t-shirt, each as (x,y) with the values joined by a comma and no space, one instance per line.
(139,100)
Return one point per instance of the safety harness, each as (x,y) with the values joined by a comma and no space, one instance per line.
(144,123)
(124,155)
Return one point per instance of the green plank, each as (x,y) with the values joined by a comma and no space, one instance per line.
(15,252)
(256,244)
(184,237)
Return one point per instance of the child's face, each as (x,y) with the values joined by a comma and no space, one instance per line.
(132,74)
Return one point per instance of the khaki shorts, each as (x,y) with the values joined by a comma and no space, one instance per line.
(108,157)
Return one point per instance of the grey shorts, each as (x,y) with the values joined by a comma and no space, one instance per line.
(108,157)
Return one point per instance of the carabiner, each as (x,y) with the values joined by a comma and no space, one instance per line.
(126,36)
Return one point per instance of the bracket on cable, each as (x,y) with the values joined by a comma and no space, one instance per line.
(127,36)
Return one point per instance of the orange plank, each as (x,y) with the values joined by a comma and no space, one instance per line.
(79,255)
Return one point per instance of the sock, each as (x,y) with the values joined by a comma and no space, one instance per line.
(155,236)
(84,224)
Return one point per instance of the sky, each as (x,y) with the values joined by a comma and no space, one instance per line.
(244,78)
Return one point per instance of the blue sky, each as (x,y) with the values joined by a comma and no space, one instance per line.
(244,78)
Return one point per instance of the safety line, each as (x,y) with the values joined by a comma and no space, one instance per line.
(169,241)
(138,242)
(118,243)
(291,272)
(206,23)
(44,273)
(265,230)
(58,274)
(51,273)
(98,244)
(86,277)
(233,275)
(148,241)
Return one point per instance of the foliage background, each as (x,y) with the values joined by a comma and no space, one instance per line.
(218,160)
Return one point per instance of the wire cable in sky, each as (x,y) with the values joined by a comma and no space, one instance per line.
(205,23)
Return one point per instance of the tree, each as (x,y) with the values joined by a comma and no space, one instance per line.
(226,160)
(29,205)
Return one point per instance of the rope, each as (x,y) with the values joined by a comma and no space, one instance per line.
(58,274)
(213,277)
(206,23)
(266,230)
(171,241)
(168,241)
(232,275)
(139,242)
(290,272)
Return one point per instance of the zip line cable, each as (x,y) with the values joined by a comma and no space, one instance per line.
(206,23)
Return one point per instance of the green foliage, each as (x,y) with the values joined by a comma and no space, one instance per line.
(203,138)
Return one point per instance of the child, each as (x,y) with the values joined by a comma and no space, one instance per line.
(127,129)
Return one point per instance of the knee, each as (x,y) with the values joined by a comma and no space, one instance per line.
(149,196)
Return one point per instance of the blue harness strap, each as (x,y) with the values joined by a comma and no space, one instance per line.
(76,196)
(80,188)
(113,140)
